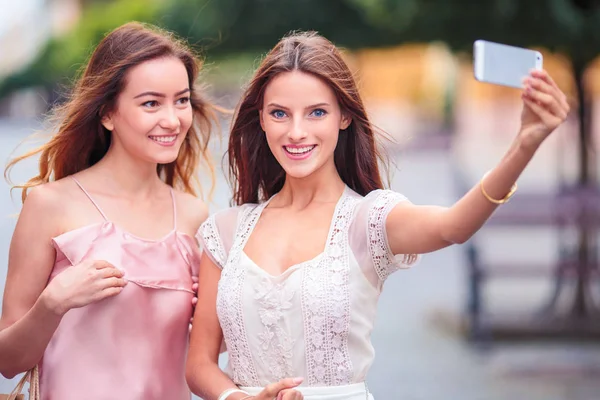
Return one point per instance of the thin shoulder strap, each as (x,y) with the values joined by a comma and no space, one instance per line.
(90,197)
(174,209)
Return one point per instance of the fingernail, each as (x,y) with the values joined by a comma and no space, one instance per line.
(298,380)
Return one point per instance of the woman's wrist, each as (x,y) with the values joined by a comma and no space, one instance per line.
(527,142)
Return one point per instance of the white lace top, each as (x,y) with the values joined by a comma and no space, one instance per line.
(314,320)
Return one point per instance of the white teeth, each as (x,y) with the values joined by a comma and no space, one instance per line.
(164,139)
(299,150)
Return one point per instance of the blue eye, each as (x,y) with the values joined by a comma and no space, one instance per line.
(278,114)
(319,112)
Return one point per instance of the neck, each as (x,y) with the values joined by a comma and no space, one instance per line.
(323,186)
(124,174)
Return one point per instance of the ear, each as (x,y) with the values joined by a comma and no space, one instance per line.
(346,121)
(262,122)
(107,122)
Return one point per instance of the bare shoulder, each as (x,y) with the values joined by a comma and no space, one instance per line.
(48,198)
(43,213)
(192,210)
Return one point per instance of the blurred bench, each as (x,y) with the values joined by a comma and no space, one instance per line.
(570,208)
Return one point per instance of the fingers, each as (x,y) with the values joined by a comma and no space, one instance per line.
(545,76)
(110,272)
(111,277)
(195,287)
(535,91)
(273,389)
(545,99)
(543,79)
(108,292)
(290,394)
(538,109)
(100,264)
(112,282)
(547,118)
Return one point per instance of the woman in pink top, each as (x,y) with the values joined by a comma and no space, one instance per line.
(100,279)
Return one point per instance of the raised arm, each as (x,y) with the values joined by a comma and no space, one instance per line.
(414,229)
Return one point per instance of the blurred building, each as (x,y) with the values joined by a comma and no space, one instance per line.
(25,27)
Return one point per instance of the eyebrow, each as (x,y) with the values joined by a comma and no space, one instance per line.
(156,94)
(275,105)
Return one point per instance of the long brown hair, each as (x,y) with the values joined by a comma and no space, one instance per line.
(79,139)
(255,173)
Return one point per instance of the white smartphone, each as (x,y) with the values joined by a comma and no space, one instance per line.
(504,65)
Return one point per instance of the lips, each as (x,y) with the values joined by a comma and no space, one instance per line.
(295,152)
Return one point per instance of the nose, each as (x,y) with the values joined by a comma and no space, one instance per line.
(297,132)
(170,119)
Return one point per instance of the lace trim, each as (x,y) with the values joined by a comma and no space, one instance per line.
(326,306)
(384,262)
(229,306)
(212,241)
(276,344)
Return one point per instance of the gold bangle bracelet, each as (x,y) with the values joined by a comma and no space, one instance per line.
(512,191)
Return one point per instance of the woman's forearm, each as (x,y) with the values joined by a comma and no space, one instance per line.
(22,344)
(208,381)
(467,216)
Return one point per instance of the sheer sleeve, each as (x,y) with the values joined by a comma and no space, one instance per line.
(368,237)
(217,233)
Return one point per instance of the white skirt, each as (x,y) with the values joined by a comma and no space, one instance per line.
(357,391)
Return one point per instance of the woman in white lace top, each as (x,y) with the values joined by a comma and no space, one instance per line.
(290,278)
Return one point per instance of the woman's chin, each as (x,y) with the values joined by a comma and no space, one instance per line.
(299,171)
(166,157)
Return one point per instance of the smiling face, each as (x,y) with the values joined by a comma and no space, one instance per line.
(153,113)
(302,120)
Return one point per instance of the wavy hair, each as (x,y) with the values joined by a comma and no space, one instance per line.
(254,172)
(79,140)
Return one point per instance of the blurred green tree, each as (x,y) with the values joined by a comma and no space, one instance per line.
(226,26)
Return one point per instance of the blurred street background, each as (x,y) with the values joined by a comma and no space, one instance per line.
(513,313)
